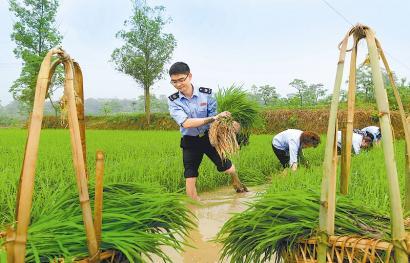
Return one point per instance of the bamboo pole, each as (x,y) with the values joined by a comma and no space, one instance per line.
(398,233)
(10,237)
(346,155)
(330,228)
(79,92)
(78,159)
(54,64)
(405,127)
(29,163)
(327,163)
(407,177)
(98,203)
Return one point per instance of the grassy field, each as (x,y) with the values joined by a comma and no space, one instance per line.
(131,156)
(155,157)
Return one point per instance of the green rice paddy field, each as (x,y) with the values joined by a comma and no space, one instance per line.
(155,157)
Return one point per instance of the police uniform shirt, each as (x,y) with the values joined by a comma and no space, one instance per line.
(288,141)
(201,105)
(356,141)
(374,130)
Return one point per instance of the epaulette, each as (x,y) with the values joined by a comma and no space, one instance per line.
(205,90)
(174,96)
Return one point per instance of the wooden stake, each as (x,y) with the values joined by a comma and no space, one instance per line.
(10,238)
(98,202)
(396,214)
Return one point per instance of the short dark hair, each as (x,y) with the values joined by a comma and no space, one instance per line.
(309,138)
(179,68)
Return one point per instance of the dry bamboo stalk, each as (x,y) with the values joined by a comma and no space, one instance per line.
(330,228)
(98,203)
(78,159)
(327,163)
(405,126)
(396,214)
(348,132)
(30,158)
(54,64)
(78,87)
(10,237)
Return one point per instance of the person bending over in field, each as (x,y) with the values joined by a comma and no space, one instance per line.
(194,109)
(374,133)
(288,146)
(359,141)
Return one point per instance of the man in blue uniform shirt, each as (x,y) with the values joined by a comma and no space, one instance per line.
(194,109)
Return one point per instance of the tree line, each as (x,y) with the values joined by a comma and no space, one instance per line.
(145,52)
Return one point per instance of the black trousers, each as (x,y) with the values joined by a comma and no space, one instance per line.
(193,150)
(281,154)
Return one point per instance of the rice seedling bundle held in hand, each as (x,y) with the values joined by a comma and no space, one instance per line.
(243,109)
(222,135)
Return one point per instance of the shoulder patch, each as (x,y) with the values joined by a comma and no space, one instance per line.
(205,90)
(174,96)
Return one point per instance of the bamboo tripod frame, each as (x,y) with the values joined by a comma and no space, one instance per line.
(74,97)
(328,194)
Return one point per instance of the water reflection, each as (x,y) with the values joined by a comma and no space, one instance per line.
(217,207)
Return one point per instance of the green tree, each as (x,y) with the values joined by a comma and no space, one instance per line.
(364,83)
(146,49)
(34,33)
(266,94)
(313,93)
(301,87)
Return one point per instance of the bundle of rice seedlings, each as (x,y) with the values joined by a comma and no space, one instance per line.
(277,220)
(243,109)
(222,135)
(137,221)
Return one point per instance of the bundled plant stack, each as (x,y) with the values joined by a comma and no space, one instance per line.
(243,109)
(137,221)
(278,220)
(222,135)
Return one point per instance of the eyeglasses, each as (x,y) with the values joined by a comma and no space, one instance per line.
(176,81)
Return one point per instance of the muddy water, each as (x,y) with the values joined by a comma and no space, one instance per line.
(217,207)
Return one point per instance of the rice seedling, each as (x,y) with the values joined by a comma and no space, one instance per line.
(243,109)
(222,135)
(278,219)
(137,220)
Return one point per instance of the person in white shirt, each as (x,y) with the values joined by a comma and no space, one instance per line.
(288,145)
(373,132)
(359,142)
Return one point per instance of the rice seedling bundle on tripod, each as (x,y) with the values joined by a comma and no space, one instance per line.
(277,221)
(286,224)
(137,220)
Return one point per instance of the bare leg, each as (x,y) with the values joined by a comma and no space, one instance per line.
(190,184)
(236,183)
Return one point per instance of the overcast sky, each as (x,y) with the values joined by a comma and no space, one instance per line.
(232,41)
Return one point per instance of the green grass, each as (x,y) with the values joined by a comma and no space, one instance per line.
(154,158)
